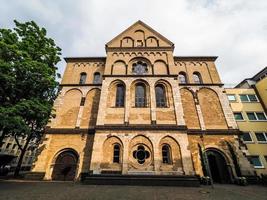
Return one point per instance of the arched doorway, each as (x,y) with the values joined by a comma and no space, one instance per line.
(218,166)
(65,166)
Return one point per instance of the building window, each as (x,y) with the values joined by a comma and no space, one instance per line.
(82,78)
(139,68)
(248,98)
(231,97)
(97,78)
(197,78)
(120,93)
(247,137)
(238,116)
(182,78)
(256,116)
(160,96)
(261,137)
(255,160)
(116,153)
(141,154)
(140,95)
(166,154)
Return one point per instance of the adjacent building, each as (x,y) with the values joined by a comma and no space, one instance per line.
(141,111)
(248,102)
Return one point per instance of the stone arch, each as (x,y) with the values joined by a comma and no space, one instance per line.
(119,68)
(107,162)
(211,109)
(182,76)
(134,144)
(219,165)
(176,155)
(111,100)
(189,107)
(152,41)
(127,42)
(141,59)
(197,77)
(165,115)
(160,67)
(68,113)
(65,165)
(168,90)
(90,109)
(132,91)
(139,36)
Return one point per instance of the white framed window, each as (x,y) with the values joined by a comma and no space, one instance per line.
(246,137)
(231,97)
(255,161)
(238,116)
(256,116)
(261,137)
(248,98)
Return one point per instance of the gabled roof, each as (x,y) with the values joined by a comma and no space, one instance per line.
(139,22)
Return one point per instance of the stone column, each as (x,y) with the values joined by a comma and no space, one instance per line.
(103,102)
(127,101)
(179,113)
(156,155)
(125,155)
(152,101)
(186,156)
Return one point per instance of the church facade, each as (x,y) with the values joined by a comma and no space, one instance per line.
(141,110)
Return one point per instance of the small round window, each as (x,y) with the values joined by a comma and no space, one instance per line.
(141,154)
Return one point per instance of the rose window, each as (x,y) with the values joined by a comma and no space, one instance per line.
(139,68)
(141,154)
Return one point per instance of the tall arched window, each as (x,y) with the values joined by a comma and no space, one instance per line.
(82,78)
(116,153)
(182,78)
(140,95)
(97,78)
(160,96)
(197,78)
(166,154)
(120,93)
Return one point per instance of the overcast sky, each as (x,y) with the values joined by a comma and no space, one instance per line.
(234,30)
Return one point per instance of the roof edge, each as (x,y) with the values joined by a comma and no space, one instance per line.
(204,58)
(67,59)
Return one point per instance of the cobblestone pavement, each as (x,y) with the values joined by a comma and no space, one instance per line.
(30,190)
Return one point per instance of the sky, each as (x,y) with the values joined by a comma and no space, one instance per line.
(233,30)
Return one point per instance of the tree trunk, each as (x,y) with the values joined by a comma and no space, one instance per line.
(21,156)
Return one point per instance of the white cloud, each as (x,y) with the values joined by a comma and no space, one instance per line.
(236,31)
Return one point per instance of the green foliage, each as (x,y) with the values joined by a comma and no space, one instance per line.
(28,61)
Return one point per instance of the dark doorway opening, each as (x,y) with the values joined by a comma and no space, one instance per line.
(218,167)
(65,166)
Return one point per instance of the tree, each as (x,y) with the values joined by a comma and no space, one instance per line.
(28,89)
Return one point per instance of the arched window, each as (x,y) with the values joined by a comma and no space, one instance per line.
(140,95)
(197,78)
(160,96)
(82,78)
(182,78)
(166,154)
(97,78)
(116,153)
(120,93)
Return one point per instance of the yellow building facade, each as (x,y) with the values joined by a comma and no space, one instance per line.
(248,102)
(141,111)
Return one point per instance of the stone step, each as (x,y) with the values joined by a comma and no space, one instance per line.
(145,180)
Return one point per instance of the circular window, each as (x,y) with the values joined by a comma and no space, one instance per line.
(139,67)
(141,154)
